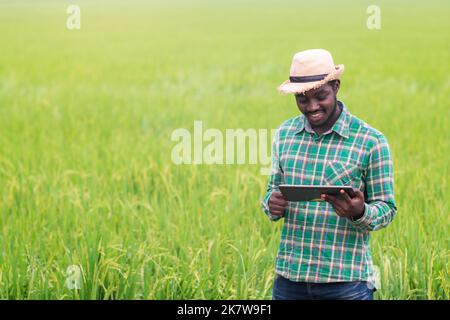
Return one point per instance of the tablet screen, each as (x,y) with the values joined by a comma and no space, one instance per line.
(311,193)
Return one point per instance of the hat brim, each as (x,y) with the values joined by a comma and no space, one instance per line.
(289,87)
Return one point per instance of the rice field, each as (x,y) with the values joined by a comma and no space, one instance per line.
(87,185)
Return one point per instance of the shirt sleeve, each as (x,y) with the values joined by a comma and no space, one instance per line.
(379,207)
(275,179)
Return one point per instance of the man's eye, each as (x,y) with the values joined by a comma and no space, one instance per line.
(321,97)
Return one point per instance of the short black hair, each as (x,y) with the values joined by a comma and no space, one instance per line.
(332,82)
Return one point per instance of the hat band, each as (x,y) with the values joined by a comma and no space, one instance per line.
(308,78)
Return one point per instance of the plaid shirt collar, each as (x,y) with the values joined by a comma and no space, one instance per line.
(341,126)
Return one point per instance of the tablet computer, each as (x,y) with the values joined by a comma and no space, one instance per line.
(311,193)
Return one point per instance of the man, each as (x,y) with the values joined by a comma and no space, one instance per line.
(324,250)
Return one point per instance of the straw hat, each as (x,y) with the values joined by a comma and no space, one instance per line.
(311,69)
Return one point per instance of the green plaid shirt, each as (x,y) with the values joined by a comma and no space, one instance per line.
(316,244)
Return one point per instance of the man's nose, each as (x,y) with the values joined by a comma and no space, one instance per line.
(313,105)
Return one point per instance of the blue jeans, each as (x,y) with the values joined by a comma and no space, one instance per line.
(285,289)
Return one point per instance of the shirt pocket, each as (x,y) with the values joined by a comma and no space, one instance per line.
(345,174)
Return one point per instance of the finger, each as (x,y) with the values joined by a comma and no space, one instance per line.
(335,204)
(338,206)
(339,210)
(276,195)
(277,212)
(352,193)
(329,198)
(345,196)
(279,202)
(276,207)
(279,195)
(359,194)
(339,202)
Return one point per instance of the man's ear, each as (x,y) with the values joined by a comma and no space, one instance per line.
(336,86)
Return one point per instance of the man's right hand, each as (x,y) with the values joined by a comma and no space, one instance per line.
(277,203)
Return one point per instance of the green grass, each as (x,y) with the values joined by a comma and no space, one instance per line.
(86,115)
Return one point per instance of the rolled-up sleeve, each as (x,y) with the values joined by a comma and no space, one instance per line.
(275,179)
(379,207)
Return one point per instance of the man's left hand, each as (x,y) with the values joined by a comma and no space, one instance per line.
(344,206)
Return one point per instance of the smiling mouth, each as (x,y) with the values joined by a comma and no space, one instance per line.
(316,116)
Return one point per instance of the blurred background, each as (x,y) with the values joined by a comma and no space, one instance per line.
(86,116)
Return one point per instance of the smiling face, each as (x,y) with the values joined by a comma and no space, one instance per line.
(320,105)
